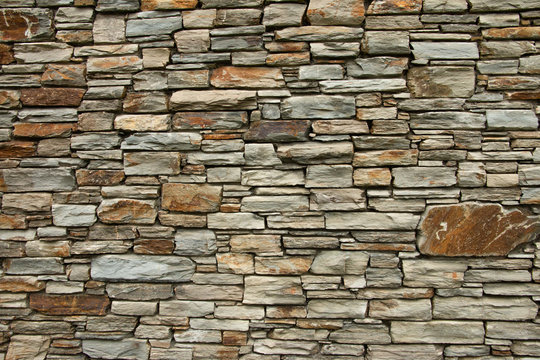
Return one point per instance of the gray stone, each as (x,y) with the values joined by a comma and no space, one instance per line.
(321,72)
(150,80)
(497,275)
(74,15)
(34,266)
(444,6)
(109,29)
(471,174)
(232,158)
(133,349)
(448,120)
(47,52)
(235,221)
(219,324)
(376,66)
(38,179)
(224,175)
(213,100)
(506,49)
(337,199)
(361,334)
(287,14)
(337,308)
(240,312)
(386,43)
(269,290)
(371,221)
(117,5)
(417,309)
(484,308)
(500,5)
(272,177)
(362,85)
(340,262)
(446,332)
(140,291)
(74,215)
(19,80)
(424,176)
(529,174)
(230,43)
(142,268)
(526,348)
(444,50)
(192,41)
(498,67)
(275,203)
(155,26)
(317,153)
(433,273)
(511,120)
(195,242)
(285,347)
(186,308)
(319,33)
(318,107)
(190,79)
(324,176)
(529,65)
(335,50)
(209,292)
(162,141)
(441,81)
(466,350)
(152,163)
(512,330)
(95,141)
(261,154)
(395,352)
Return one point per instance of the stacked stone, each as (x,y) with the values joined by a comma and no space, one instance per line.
(269,180)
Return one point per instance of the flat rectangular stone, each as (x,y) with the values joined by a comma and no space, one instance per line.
(37,179)
(160,141)
(210,120)
(394,352)
(433,273)
(318,107)
(209,292)
(500,5)
(362,85)
(317,153)
(484,308)
(445,50)
(439,120)
(152,163)
(319,33)
(371,221)
(46,52)
(511,120)
(275,203)
(153,26)
(337,308)
(272,177)
(441,81)
(69,304)
(135,349)
(189,79)
(375,67)
(213,100)
(440,331)
(512,330)
(34,266)
(235,221)
(361,334)
(139,291)
(268,290)
(424,176)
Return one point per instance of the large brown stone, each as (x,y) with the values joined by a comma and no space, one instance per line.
(474,229)
(191,197)
(43,130)
(6,54)
(247,77)
(17,149)
(52,96)
(21,284)
(99,177)
(278,131)
(69,304)
(336,12)
(25,24)
(127,211)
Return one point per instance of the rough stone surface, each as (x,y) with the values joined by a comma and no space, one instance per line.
(191,198)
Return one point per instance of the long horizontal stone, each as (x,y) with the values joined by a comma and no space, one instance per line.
(337,308)
(135,349)
(445,50)
(69,304)
(319,33)
(36,179)
(371,221)
(172,141)
(213,100)
(395,352)
(272,177)
(275,203)
(442,120)
(153,26)
(217,120)
(424,176)
(362,334)
(433,273)
(512,330)
(25,24)
(362,85)
(235,221)
(484,308)
(142,268)
(503,5)
(511,120)
(285,347)
(317,153)
(268,290)
(337,262)
(318,107)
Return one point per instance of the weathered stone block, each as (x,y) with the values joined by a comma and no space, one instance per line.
(127,211)
(195,242)
(25,24)
(340,262)
(69,304)
(446,332)
(191,197)
(484,308)
(37,179)
(152,163)
(74,215)
(318,107)
(317,153)
(441,81)
(371,221)
(337,308)
(213,100)
(247,77)
(424,176)
(134,349)
(267,290)
(341,12)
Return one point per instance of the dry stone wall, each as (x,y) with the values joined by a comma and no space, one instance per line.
(269,180)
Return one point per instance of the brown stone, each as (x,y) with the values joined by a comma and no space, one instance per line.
(247,77)
(512,83)
(127,211)
(191,197)
(21,284)
(234,338)
(523,95)
(12,221)
(25,24)
(336,12)
(6,54)
(52,96)
(529,32)
(278,131)
(43,130)
(76,37)
(148,5)
(95,121)
(69,304)
(474,229)
(292,265)
(17,149)
(26,347)
(99,177)
(64,75)
(385,158)
(372,177)
(288,59)
(283,312)
(235,263)
(210,120)
(287,46)
(395,7)
(153,246)
(142,102)
(9,99)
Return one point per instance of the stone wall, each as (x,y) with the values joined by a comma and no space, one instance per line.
(269,180)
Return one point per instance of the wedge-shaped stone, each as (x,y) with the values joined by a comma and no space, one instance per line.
(142,122)
(69,304)
(133,349)
(362,85)
(318,107)
(484,308)
(195,242)
(371,221)
(400,309)
(127,211)
(424,176)
(337,309)
(341,12)
(317,153)
(376,66)
(278,131)
(235,221)
(441,81)
(213,100)
(511,120)
(395,352)
(37,179)
(361,334)
(142,268)
(191,197)
(319,33)
(25,24)
(268,290)
(445,332)
(272,177)
(439,120)
(445,50)
(385,158)
(340,262)
(275,203)
(163,141)
(247,77)
(473,229)
(217,120)
(433,273)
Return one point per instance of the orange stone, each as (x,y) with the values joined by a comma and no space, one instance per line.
(153,246)
(147,5)
(372,177)
(247,77)
(25,24)
(52,96)
(12,221)
(9,99)
(43,130)
(287,46)
(69,304)
(64,75)
(474,229)
(336,12)
(395,7)
(76,37)
(191,197)
(523,95)
(6,54)
(17,149)
(234,338)
(21,284)
(288,59)
(99,177)
(529,32)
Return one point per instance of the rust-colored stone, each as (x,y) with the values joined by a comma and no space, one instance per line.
(191,197)
(25,24)
(221,136)
(372,177)
(283,312)
(17,149)
(12,221)
(526,32)
(148,5)
(127,211)
(6,54)
(21,284)
(283,265)
(9,99)
(386,158)
(287,46)
(247,77)
(336,12)
(278,131)
(395,7)
(64,75)
(523,95)
(52,96)
(99,177)
(69,304)
(234,338)
(43,130)
(474,229)
(288,59)
(153,246)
